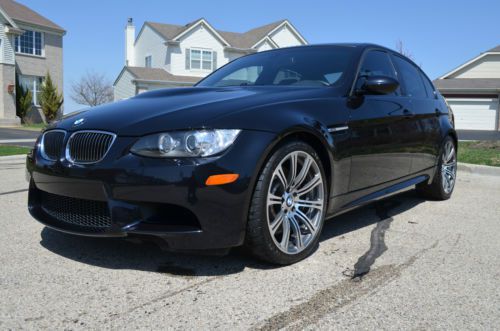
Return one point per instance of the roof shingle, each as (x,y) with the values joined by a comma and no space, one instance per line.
(158,74)
(19,12)
(494,49)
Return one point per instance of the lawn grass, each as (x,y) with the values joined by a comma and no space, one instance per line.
(479,152)
(34,127)
(6,150)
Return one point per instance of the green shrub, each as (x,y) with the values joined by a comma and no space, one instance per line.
(50,99)
(24,100)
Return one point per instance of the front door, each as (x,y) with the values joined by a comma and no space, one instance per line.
(379,127)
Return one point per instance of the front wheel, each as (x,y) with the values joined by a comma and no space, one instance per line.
(288,205)
(443,184)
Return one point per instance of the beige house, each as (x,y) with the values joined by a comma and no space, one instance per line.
(30,46)
(166,55)
(472,90)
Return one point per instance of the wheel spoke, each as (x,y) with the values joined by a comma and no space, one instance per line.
(450,154)
(450,173)
(317,204)
(293,167)
(309,186)
(282,177)
(277,222)
(296,230)
(286,234)
(306,220)
(273,200)
(303,172)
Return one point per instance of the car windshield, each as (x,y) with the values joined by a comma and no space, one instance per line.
(305,66)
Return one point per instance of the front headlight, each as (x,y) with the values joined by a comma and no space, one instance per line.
(198,143)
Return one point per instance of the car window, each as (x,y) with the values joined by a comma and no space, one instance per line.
(304,66)
(376,63)
(332,77)
(286,77)
(241,77)
(413,83)
(428,86)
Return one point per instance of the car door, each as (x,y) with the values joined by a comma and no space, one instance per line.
(379,128)
(423,105)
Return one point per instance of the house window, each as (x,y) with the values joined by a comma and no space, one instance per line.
(201,59)
(148,61)
(31,42)
(34,84)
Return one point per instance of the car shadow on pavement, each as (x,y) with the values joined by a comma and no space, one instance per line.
(370,214)
(116,253)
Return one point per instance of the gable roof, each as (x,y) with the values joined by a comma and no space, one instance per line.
(21,13)
(244,40)
(493,50)
(158,74)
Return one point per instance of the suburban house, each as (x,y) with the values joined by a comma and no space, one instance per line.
(30,46)
(472,90)
(166,55)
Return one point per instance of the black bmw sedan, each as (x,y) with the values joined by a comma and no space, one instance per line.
(259,153)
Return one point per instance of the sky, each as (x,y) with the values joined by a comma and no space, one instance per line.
(440,35)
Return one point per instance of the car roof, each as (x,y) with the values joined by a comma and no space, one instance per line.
(359,46)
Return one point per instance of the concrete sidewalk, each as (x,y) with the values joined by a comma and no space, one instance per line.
(479,135)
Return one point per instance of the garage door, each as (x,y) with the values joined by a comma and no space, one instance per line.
(475,114)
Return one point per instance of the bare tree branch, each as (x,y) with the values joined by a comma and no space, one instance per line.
(404,51)
(92,89)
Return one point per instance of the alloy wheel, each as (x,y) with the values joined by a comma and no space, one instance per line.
(295,202)
(449,167)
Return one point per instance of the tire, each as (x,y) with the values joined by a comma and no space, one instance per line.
(287,212)
(444,180)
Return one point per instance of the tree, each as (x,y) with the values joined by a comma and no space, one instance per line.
(24,100)
(50,99)
(92,89)
(402,50)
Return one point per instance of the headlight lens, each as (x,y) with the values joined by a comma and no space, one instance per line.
(200,143)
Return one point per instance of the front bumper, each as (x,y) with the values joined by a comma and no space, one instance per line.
(165,198)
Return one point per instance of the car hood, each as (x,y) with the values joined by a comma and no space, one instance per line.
(180,108)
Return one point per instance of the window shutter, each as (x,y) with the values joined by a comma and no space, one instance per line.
(188,59)
(214,61)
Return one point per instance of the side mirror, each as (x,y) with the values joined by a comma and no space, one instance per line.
(378,85)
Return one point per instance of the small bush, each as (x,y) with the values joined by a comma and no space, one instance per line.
(24,100)
(50,99)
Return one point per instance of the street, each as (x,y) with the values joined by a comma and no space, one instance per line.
(18,137)
(400,263)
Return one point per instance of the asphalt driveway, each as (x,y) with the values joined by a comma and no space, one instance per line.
(402,263)
(18,137)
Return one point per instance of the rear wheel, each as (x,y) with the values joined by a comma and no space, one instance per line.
(288,206)
(443,184)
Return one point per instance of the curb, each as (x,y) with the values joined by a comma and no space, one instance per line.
(479,169)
